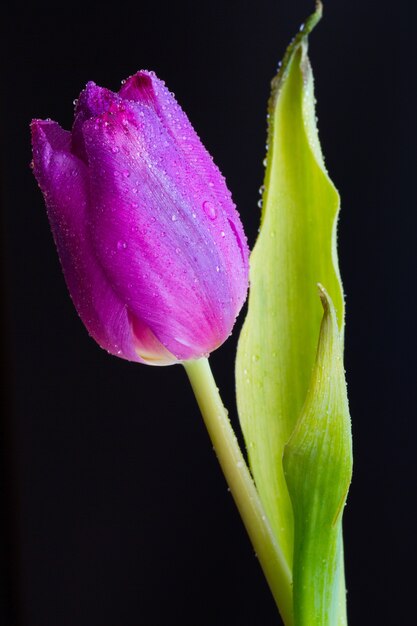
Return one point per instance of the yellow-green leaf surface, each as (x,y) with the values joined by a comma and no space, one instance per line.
(295,250)
(318,466)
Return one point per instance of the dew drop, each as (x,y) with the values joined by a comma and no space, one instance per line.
(115,149)
(222,233)
(217,268)
(173,217)
(265,162)
(121,245)
(126,173)
(210,210)
(260,203)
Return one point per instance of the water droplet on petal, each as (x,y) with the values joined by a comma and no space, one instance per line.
(121,245)
(173,217)
(115,149)
(210,210)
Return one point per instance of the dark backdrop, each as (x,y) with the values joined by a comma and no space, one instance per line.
(117,513)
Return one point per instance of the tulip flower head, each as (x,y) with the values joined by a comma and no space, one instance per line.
(151,245)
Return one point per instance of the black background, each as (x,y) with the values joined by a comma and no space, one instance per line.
(117,511)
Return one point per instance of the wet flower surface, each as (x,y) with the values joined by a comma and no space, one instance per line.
(151,244)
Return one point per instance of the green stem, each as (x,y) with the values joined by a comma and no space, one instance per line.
(241,485)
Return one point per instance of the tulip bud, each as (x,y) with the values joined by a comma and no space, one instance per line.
(151,245)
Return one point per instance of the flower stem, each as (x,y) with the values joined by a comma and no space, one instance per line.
(241,485)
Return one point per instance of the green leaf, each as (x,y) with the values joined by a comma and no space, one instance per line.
(318,466)
(295,250)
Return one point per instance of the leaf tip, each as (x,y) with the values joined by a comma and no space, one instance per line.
(313,19)
(324,296)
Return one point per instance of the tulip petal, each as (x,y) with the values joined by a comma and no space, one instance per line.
(146,88)
(64,183)
(162,253)
(199,170)
(92,101)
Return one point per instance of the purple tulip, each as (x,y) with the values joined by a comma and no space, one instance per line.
(151,245)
